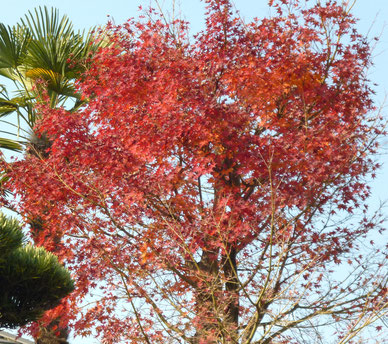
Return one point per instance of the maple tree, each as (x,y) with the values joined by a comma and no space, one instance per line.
(210,190)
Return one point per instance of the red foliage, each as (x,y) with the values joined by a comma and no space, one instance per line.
(191,189)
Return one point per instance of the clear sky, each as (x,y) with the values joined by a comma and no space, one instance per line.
(373,16)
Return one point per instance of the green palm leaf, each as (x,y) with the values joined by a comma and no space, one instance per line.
(54,41)
(8,106)
(13,46)
(10,144)
(41,48)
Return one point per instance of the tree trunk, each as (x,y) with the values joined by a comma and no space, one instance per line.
(217,300)
(53,335)
(206,299)
(232,293)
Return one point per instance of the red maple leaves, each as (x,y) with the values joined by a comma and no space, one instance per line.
(191,188)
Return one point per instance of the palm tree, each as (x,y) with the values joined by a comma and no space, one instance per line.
(42,47)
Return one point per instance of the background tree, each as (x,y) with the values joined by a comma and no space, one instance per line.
(31,279)
(42,56)
(214,191)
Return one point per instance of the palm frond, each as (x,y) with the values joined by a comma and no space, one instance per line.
(8,106)
(53,39)
(10,144)
(13,46)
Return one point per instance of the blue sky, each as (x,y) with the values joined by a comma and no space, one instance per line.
(373,15)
